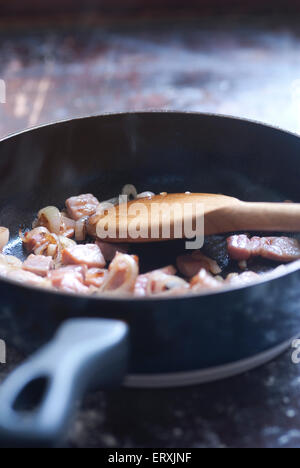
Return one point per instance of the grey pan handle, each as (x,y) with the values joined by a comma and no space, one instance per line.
(38,400)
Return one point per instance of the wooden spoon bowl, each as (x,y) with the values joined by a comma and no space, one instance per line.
(162,215)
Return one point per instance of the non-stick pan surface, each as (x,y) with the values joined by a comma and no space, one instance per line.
(157,151)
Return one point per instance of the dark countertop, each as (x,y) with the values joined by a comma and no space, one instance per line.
(248,68)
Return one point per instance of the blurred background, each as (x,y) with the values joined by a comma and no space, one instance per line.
(61,59)
(66,58)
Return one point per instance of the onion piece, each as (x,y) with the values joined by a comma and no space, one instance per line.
(80,229)
(130,191)
(10,261)
(4,237)
(51,218)
(51,250)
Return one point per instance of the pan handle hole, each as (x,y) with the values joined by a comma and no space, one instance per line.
(32,395)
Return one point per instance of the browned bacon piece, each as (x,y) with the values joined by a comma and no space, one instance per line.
(281,249)
(37,238)
(82,205)
(88,254)
(69,279)
(38,264)
(109,250)
(190,264)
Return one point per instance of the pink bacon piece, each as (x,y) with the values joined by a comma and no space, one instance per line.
(95,277)
(189,265)
(82,205)
(38,264)
(88,254)
(69,279)
(281,249)
(204,280)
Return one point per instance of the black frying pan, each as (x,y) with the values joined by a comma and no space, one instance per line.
(172,341)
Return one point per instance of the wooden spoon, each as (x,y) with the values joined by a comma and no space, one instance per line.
(221,214)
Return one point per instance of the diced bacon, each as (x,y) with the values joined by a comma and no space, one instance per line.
(38,264)
(141,283)
(109,250)
(189,265)
(39,240)
(69,279)
(36,238)
(239,247)
(88,254)
(82,205)
(204,280)
(122,274)
(281,249)
(24,277)
(95,277)
(242,278)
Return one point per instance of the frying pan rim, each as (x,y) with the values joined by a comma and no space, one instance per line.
(150,112)
(268,277)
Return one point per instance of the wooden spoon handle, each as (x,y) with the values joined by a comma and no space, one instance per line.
(245,216)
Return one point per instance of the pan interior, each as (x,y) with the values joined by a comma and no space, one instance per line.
(170,152)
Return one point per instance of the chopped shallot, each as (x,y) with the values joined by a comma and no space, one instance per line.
(4,237)
(50,217)
(159,283)
(10,261)
(122,274)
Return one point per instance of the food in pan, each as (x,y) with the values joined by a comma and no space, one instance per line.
(63,256)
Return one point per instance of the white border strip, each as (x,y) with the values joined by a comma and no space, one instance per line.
(183,379)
